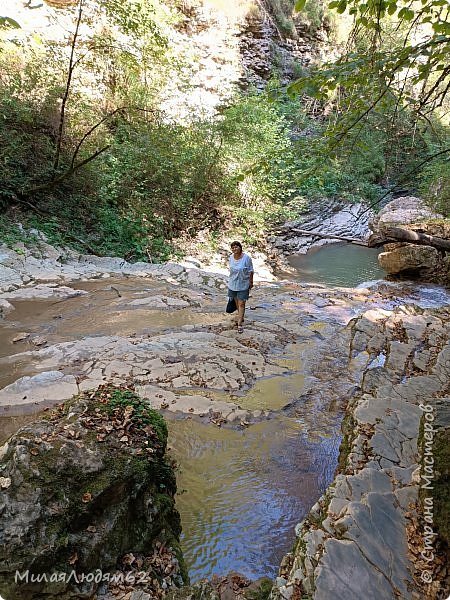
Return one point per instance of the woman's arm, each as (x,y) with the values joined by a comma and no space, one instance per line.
(250,264)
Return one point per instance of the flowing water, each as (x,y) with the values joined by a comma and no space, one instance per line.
(241,491)
(245,490)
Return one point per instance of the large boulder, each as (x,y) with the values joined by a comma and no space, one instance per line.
(401,211)
(410,257)
(79,489)
(422,261)
(327,217)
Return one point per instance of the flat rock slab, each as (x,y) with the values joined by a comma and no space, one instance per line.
(379,530)
(192,404)
(42,292)
(160,302)
(345,573)
(9,278)
(5,307)
(44,388)
(177,360)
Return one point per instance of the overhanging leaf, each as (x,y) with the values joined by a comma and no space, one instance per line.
(7,22)
(300,5)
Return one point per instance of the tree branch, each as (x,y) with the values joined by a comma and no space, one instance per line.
(91,130)
(399,234)
(401,180)
(55,181)
(62,114)
(307,232)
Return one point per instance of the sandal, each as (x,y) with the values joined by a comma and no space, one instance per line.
(240,329)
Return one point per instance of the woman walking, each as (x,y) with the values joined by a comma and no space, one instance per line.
(241,280)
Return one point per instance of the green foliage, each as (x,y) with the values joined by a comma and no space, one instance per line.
(314,11)
(282,12)
(258,149)
(8,23)
(262,159)
(388,92)
(435,186)
(262,591)
(136,19)
(167,173)
(11,234)
(26,147)
(383,70)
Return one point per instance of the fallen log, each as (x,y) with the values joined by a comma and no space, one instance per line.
(398,234)
(328,236)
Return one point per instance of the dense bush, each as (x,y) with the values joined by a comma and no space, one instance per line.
(435,186)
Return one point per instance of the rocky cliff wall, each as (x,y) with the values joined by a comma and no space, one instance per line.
(222,47)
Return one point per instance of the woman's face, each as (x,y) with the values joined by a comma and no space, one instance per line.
(236,251)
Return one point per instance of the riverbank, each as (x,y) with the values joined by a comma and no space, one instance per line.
(377,531)
(75,322)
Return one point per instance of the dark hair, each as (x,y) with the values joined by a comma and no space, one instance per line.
(236,244)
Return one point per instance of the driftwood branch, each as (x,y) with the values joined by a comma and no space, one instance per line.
(328,236)
(398,234)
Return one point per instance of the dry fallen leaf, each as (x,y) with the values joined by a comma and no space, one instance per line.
(5,482)
(128,559)
(91,528)
(87,497)
(73,559)
(34,451)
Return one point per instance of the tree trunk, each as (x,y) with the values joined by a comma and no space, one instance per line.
(398,234)
(306,232)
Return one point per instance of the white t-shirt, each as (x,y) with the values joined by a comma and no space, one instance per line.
(240,273)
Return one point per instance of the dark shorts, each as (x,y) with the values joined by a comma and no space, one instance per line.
(241,295)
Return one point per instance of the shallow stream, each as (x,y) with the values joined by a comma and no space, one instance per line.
(241,490)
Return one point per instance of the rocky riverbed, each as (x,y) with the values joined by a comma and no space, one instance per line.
(308,353)
(367,536)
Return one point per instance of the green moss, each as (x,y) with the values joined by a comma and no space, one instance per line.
(262,592)
(441,485)
(348,429)
(299,548)
(142,414)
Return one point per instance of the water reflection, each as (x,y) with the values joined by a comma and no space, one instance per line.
(246,490)
(344,265)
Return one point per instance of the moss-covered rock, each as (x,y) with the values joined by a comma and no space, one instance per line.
(81,488)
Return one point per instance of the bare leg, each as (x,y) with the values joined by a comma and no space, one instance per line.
(241,311)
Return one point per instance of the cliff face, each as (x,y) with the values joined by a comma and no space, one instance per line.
(237,45)
(223,47)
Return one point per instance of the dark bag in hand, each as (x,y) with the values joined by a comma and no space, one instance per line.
(231,306)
